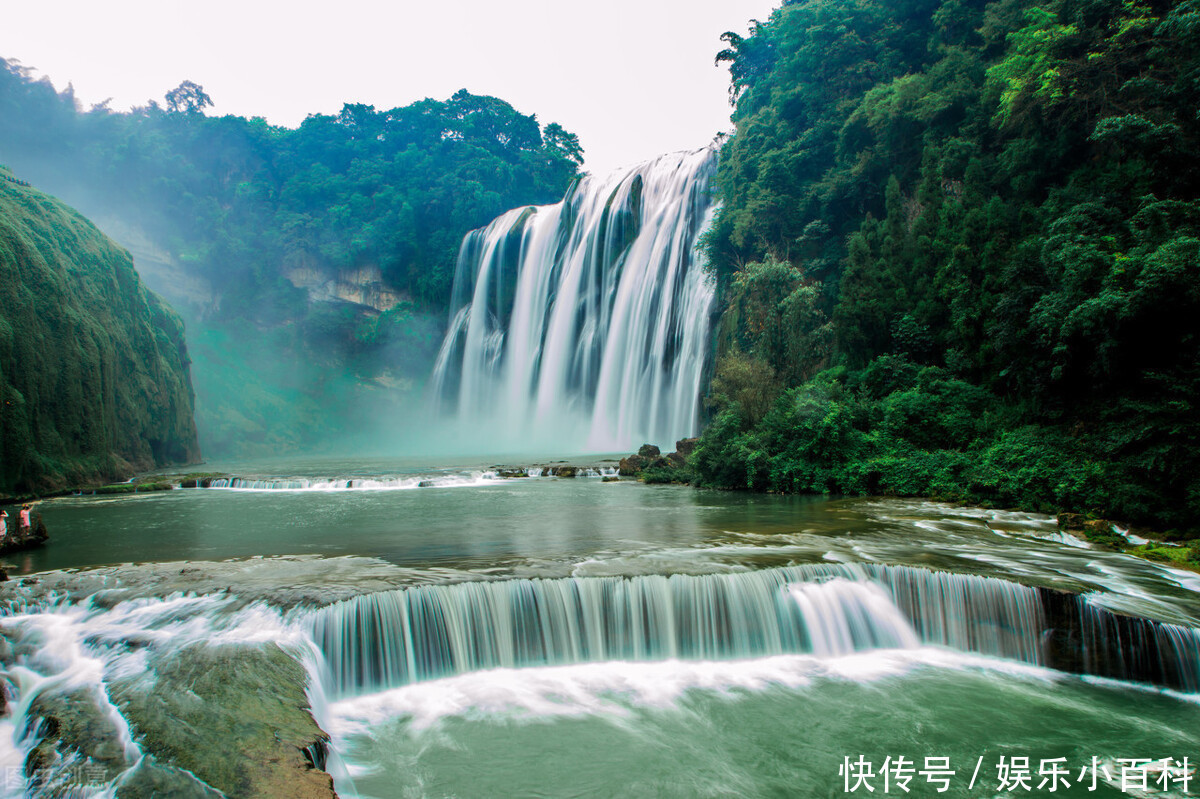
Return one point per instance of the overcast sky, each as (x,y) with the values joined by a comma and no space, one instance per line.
(633,78)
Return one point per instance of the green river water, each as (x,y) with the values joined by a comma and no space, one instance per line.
(776,724)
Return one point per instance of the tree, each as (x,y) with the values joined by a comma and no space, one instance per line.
(187,98)
(559,140)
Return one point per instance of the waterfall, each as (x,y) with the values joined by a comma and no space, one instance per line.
(399,637)
(590,316)
(1129,648)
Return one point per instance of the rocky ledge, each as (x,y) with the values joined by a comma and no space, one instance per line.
(18,540)
(1173,550)
(650,466)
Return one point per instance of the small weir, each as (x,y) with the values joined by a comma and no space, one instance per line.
(395,638)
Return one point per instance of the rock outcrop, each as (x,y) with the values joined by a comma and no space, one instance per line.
(651,465)
(17,539)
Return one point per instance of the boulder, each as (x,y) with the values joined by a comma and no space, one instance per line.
(631,466)
(1071,521)
(235,716)
(649,451)
(686,446)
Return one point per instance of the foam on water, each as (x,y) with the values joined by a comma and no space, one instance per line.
(399,483)
(613,688)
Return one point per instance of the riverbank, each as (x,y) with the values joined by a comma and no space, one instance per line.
(652,466)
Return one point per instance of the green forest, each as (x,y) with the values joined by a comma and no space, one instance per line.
(958,251)
(237,204)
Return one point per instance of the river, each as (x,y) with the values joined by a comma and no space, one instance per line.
(462,634)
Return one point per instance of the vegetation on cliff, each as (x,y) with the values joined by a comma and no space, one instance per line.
(255,219)
(959,251)
(93,366)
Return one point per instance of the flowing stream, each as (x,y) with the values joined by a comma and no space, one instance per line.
(483,635)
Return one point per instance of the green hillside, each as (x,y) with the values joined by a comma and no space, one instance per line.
(312,264)
(93,366)
(960,244)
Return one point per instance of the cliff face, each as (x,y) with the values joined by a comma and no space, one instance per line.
(94,380)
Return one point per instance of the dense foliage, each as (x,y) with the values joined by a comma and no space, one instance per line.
(959,250)
(93,367)
(240,207)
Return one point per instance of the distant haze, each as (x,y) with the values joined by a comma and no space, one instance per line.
(632,79)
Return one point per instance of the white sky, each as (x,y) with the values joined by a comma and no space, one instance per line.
(633,78)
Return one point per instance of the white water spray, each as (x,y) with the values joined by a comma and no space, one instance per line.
(585,325)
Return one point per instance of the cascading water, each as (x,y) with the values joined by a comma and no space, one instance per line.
(590,317)
(1138,649)
(399,637)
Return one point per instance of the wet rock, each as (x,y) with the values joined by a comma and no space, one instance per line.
(1101,532)
(1085,639)
(650,458)
(151,779)
(631,466)
(649,451)
(564,471)
(210,701)
(610,479)
(74,726)
(19,539)
(1071,521)
(686,446)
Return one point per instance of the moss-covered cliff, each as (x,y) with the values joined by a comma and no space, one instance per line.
(94,379)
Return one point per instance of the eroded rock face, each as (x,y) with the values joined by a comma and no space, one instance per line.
(362,285)
(209,701)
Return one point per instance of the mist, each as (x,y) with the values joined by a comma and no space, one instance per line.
(312,265)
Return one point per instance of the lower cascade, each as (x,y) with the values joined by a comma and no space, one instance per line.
(591,316)
(399,637)
(99,672)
